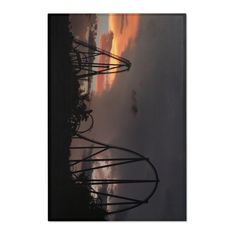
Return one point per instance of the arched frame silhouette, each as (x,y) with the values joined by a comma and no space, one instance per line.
(130,202)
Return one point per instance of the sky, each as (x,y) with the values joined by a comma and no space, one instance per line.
(119,31)
(115,33)
(144,110)
(102,26)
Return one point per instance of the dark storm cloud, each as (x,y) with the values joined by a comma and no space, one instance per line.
(158,129)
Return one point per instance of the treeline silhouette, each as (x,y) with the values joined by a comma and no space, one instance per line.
(67,200)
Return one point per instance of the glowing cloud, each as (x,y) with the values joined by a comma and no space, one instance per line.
(106,44)
(124,28)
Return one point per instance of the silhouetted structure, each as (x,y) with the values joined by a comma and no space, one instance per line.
(79,176)
(85,59)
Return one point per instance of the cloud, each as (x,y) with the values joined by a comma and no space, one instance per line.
(158,131)
(80,23)
(105,44)
(125,29)
(134,105)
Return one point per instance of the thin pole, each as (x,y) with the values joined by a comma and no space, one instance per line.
(115,196)
(90,156)
(108,165)
(85,147)
(112,181)
(111,159)
(114,203)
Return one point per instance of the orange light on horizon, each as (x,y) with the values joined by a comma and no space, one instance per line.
(106,44)
(124,28)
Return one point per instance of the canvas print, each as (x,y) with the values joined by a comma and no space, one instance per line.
(117,117)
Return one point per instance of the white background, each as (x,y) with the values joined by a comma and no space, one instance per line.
(211,128)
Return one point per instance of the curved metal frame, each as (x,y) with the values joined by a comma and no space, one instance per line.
(90,66)
(88,129)
(82,60)
(129,201)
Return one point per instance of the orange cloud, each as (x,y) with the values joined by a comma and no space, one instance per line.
(106,44)
(122,32)
(124,28)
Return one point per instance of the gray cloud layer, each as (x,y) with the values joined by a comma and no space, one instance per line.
(157,130)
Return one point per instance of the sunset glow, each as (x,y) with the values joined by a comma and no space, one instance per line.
(124,28)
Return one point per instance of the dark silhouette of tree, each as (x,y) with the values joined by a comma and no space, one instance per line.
(81,113)
(67,200)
